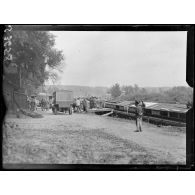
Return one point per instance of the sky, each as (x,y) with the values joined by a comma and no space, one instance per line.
(103,58)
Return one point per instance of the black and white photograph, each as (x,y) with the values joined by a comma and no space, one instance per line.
(94,96)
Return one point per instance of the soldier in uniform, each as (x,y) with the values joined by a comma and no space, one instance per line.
(78,104)
(74,105)
(139,114)
(85,105)
(32,104)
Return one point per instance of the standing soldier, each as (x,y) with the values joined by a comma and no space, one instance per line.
(81,104)
(78,103)
(74,105)
(85,105)
(139,114)
(46,105)
(28,101)
(91,102)
(32,103)
(36,103)
(42,104)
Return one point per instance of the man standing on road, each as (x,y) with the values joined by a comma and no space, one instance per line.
(32,104)
(36,103)
(139,114)
(85,105)
(74,105)
(78,103)
(42,104)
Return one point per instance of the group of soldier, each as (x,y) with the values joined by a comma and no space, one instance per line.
(33,103)
(83,104)
(45,105)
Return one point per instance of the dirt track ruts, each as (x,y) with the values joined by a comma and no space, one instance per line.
(91,139)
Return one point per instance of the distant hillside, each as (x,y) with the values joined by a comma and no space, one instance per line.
(79,90)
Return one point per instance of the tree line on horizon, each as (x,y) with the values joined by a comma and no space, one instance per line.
(180,94)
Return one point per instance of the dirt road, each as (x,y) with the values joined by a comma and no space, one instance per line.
(91,139)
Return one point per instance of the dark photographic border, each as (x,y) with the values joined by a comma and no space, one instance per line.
(100,167)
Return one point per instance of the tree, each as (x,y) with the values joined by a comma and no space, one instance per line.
(136,88)
(128,90)
(32,51)
(115,90)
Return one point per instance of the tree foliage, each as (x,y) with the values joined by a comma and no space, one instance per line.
(32,51)
(180,94)
(115,90)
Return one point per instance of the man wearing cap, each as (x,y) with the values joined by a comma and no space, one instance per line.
(139,114)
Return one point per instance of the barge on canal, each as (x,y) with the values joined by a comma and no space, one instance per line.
(157,113)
